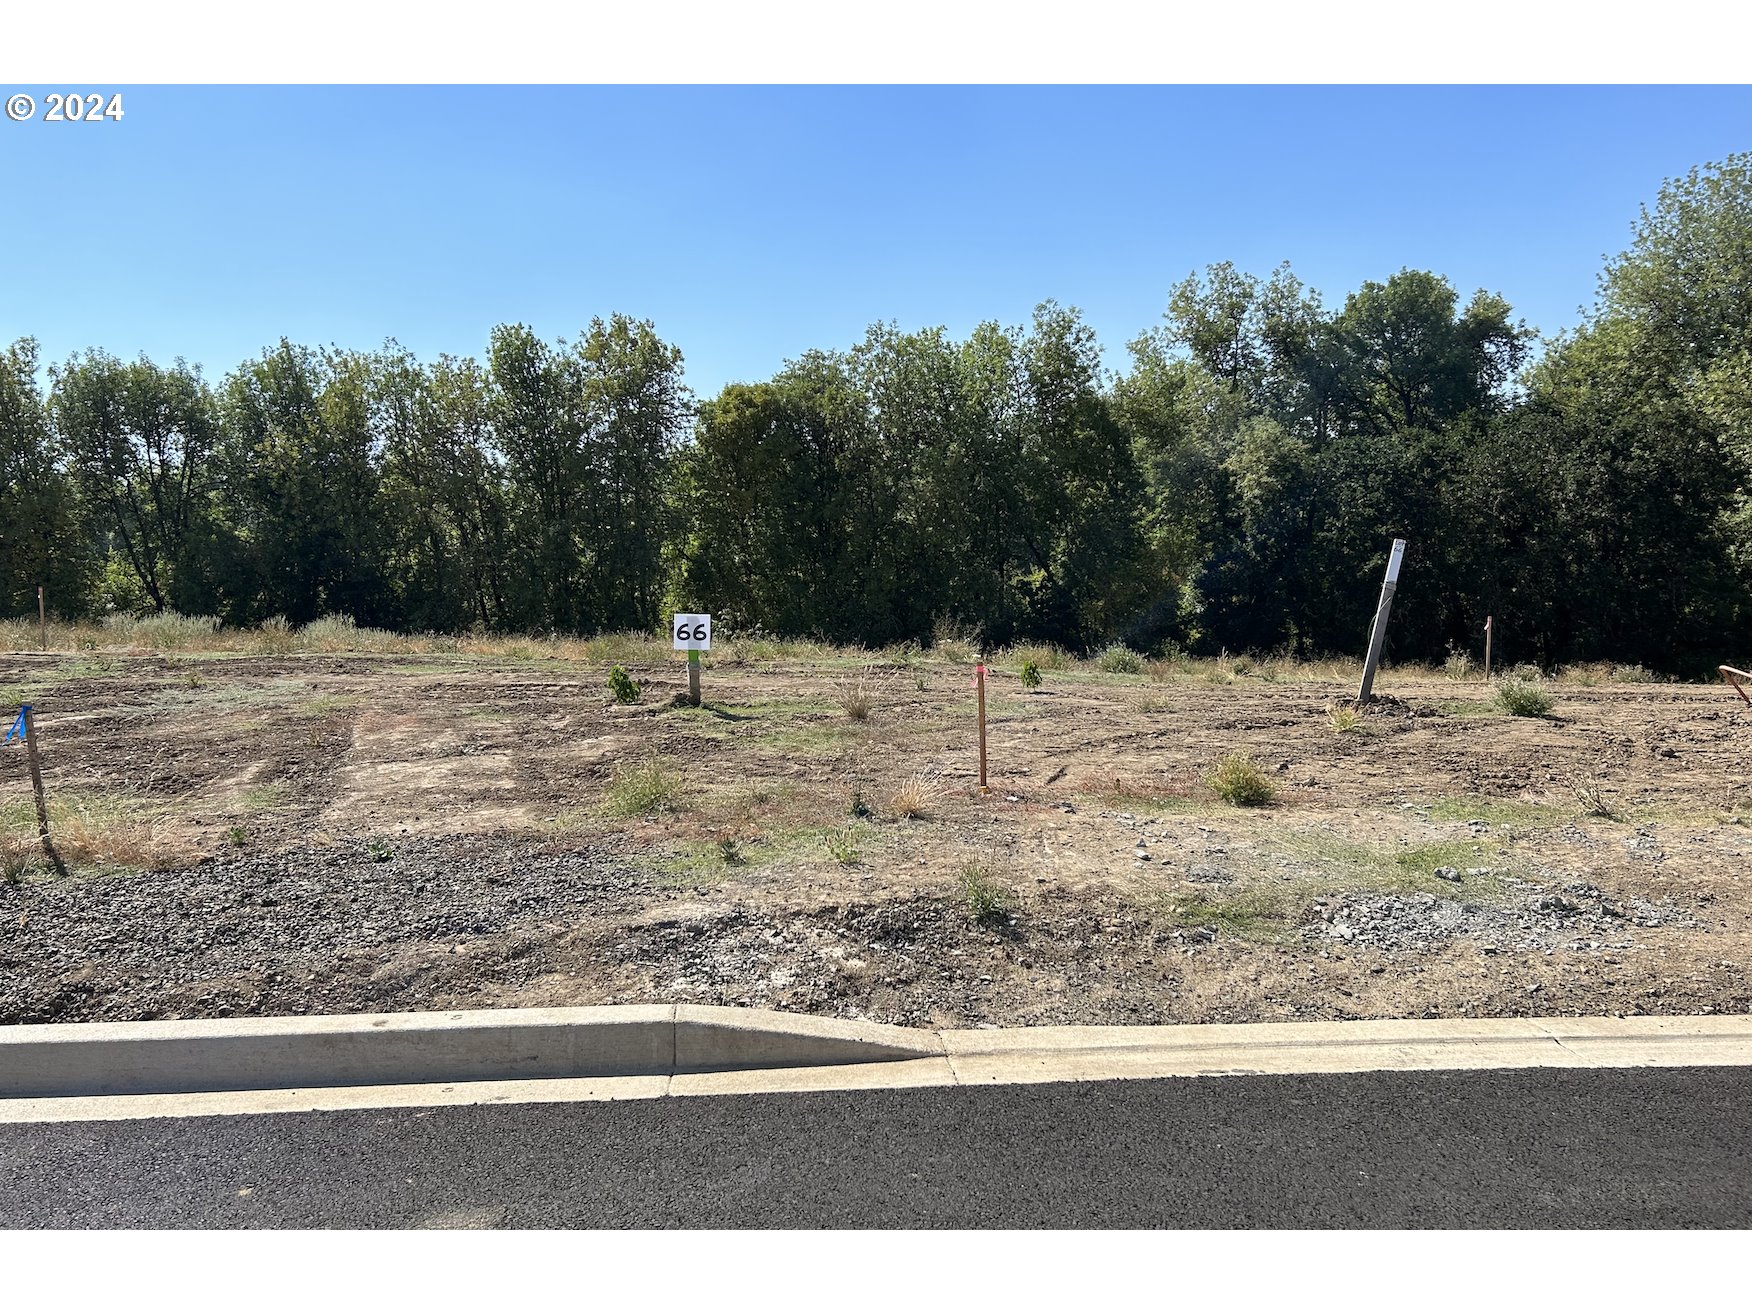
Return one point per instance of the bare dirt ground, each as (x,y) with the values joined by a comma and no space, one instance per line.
(334,834)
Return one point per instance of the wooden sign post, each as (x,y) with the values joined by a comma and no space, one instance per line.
(693,635)
(979,673)
(42,620)
(1378,635)
(1487,649)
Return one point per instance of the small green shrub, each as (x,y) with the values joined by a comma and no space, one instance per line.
(380,850)
(237,836)
(1120,660)
(621,685)
(1519,696)
(1631,674)
(1030,674)
(1237,779)
(1345,718)
(841,846)
(984,898)
(1458,666)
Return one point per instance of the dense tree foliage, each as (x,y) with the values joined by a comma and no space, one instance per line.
(1235,486)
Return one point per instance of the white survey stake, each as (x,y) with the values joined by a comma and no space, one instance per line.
(1394,559)
(692,633)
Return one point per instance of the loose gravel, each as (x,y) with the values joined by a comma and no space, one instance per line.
(1575,915)
(294,932)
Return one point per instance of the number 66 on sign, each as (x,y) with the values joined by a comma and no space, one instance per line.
(693,635)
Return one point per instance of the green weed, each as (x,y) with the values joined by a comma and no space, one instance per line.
(1250,915)
(984,898)
(1237,780)
(642,789)
(841,845)
(1120,660)
(621,685)
(1519,696)
(1344,718)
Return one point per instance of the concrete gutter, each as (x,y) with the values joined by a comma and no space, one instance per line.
(390,1049)
(85,1071)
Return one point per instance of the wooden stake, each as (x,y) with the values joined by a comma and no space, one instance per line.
(42,619)
(693,676)
(979,679)
(1733,675)
(36,784)
(1487,649)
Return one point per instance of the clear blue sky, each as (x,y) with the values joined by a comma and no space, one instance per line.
(753,223)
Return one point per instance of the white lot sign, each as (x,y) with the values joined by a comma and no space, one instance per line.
(693,633)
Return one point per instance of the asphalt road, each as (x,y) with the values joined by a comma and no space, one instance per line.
(1548,1148)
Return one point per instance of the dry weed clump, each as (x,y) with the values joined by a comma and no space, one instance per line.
(89,830)
(857,696)
(913,800)
(1594,801)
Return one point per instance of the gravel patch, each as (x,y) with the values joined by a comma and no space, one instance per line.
(293,932)
(1576,915)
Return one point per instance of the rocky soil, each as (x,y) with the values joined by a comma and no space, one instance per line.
(346,835)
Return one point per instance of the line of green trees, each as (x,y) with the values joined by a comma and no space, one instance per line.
(1235,486)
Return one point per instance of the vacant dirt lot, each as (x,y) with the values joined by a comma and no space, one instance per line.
(286,834)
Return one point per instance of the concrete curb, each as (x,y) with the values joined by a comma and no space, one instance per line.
(397,1049)
(94,1071)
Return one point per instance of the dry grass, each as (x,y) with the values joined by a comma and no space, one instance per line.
(642,789)
(1594,802)
(1138,794)
(1120,660)
(88,830)
(857,696)
(1047,657)
(913,800)
(170,632)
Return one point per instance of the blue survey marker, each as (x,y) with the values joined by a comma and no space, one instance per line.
(17,730)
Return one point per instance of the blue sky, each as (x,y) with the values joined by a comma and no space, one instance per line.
(754,223)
